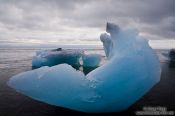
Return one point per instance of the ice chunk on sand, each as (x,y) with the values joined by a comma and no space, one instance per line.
(60,84)
(58,56)
(132,70)
(91,60)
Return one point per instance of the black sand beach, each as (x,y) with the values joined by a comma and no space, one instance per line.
(13,103)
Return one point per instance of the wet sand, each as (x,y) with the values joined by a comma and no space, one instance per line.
(13,103)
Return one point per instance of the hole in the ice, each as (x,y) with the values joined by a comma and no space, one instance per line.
(85,70)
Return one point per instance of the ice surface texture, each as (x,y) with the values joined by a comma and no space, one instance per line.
(132,70)
(54,57)
(91,60)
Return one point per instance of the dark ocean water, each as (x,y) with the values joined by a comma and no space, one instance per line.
(21,57)
(12,58)
(15,58)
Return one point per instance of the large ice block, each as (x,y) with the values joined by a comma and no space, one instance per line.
(131,71)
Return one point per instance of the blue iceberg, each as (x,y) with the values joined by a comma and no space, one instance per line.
(131,71)
(54,57)
(91,60)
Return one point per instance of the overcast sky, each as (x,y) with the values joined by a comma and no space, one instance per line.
(82,21)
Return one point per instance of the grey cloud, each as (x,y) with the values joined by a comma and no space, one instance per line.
(143,12)
(154,17)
